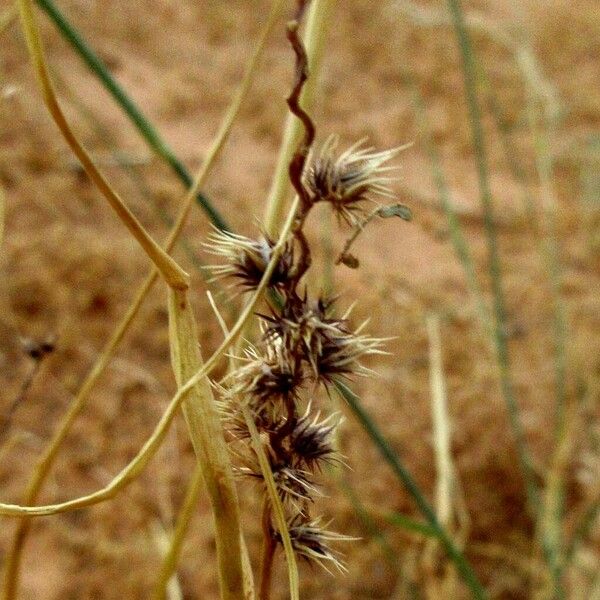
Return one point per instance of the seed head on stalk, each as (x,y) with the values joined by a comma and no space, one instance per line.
(304,346)
(349,181)
(246,259)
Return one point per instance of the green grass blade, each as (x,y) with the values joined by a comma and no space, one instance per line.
(459,242)
(144,127)
(410,524)
(469,69)
(464,568)
(369,523)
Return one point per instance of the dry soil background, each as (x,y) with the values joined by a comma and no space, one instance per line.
(67,269)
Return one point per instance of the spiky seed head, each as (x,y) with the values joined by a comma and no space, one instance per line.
(349,180)
(294,485)
(266,418)
(246,259)
(325,342)
(311,441)
(312,542)
(301,325)
(340,356)
(270,374)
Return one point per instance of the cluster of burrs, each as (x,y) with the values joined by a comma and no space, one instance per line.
(303,348)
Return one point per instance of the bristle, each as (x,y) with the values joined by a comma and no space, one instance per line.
(349,181)
(312,542)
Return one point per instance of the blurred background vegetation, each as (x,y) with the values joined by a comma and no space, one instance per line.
(489,397)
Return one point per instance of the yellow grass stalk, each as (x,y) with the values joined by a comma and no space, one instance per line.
(314,41)
(173,274)
(441,422)
(276,505)
(45,462)
(2,214)
(446,480)
(209,443)
(137,464)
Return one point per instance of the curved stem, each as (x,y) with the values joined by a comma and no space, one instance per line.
(275,503)
(317,21)
(133,469)
(46,461)
(147,131)
(266,568)
(173,274)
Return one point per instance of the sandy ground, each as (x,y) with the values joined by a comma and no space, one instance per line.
(68,270)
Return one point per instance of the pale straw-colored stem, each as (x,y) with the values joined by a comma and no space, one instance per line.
(276,504)
(443,453)
(441,423)
(46,461)
(173,274)
(132,470)
(210,446)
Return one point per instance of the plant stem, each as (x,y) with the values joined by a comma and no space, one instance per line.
(45,462)
(207,436)
(188,508)
(464,568)
(314,39)
(502,354)
(275,503)
(172,273)
(266,569)
(150,447)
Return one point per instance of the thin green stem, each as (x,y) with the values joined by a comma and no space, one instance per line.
(410,485)
(469,73)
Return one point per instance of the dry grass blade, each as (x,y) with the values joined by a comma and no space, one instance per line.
(209,443)
(173,274)
(276,506)
(441,425)
(446,474)
(410,485)
(552,508)
(132,470)
(45,462)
